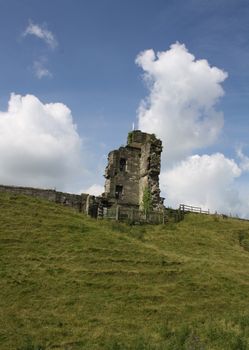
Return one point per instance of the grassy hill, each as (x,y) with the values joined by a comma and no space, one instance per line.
(71,282)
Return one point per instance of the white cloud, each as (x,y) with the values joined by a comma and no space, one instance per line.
(208,181)
(180,108)
(40,70)
(39,145)
(244,160)
(95,190)
(42,33)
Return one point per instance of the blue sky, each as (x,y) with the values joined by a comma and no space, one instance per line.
(92,69)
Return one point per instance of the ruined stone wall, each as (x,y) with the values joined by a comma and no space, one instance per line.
(72,200)
(150,166)
(127,177)
(143,162)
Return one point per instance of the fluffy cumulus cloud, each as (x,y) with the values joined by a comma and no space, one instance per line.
(42,33)
(208,181)
(39,144)
(181,109)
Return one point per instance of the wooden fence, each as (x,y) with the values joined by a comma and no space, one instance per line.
(189,208)
(136,216)
(133,215)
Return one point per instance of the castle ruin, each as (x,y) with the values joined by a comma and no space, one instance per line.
(134,169)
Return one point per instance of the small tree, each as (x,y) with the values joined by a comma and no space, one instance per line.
(147,201)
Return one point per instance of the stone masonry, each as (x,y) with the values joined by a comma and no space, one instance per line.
(132,169)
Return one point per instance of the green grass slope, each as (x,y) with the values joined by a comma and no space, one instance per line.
(71,282)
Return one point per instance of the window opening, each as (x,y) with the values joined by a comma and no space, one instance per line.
(119,192)
(122,164)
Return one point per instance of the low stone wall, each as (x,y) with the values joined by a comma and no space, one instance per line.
(77,201)
(96,207)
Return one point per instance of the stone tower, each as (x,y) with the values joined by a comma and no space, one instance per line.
(132,169)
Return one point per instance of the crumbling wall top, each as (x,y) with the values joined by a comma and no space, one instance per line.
(137,139)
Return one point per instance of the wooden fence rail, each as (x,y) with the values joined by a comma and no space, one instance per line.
(134,215)
(189,208)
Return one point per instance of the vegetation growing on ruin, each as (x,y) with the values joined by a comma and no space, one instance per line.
(129,139)
(147,200)
(70,282)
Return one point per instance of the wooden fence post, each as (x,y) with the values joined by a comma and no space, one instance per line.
(88,205)
(117,212)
